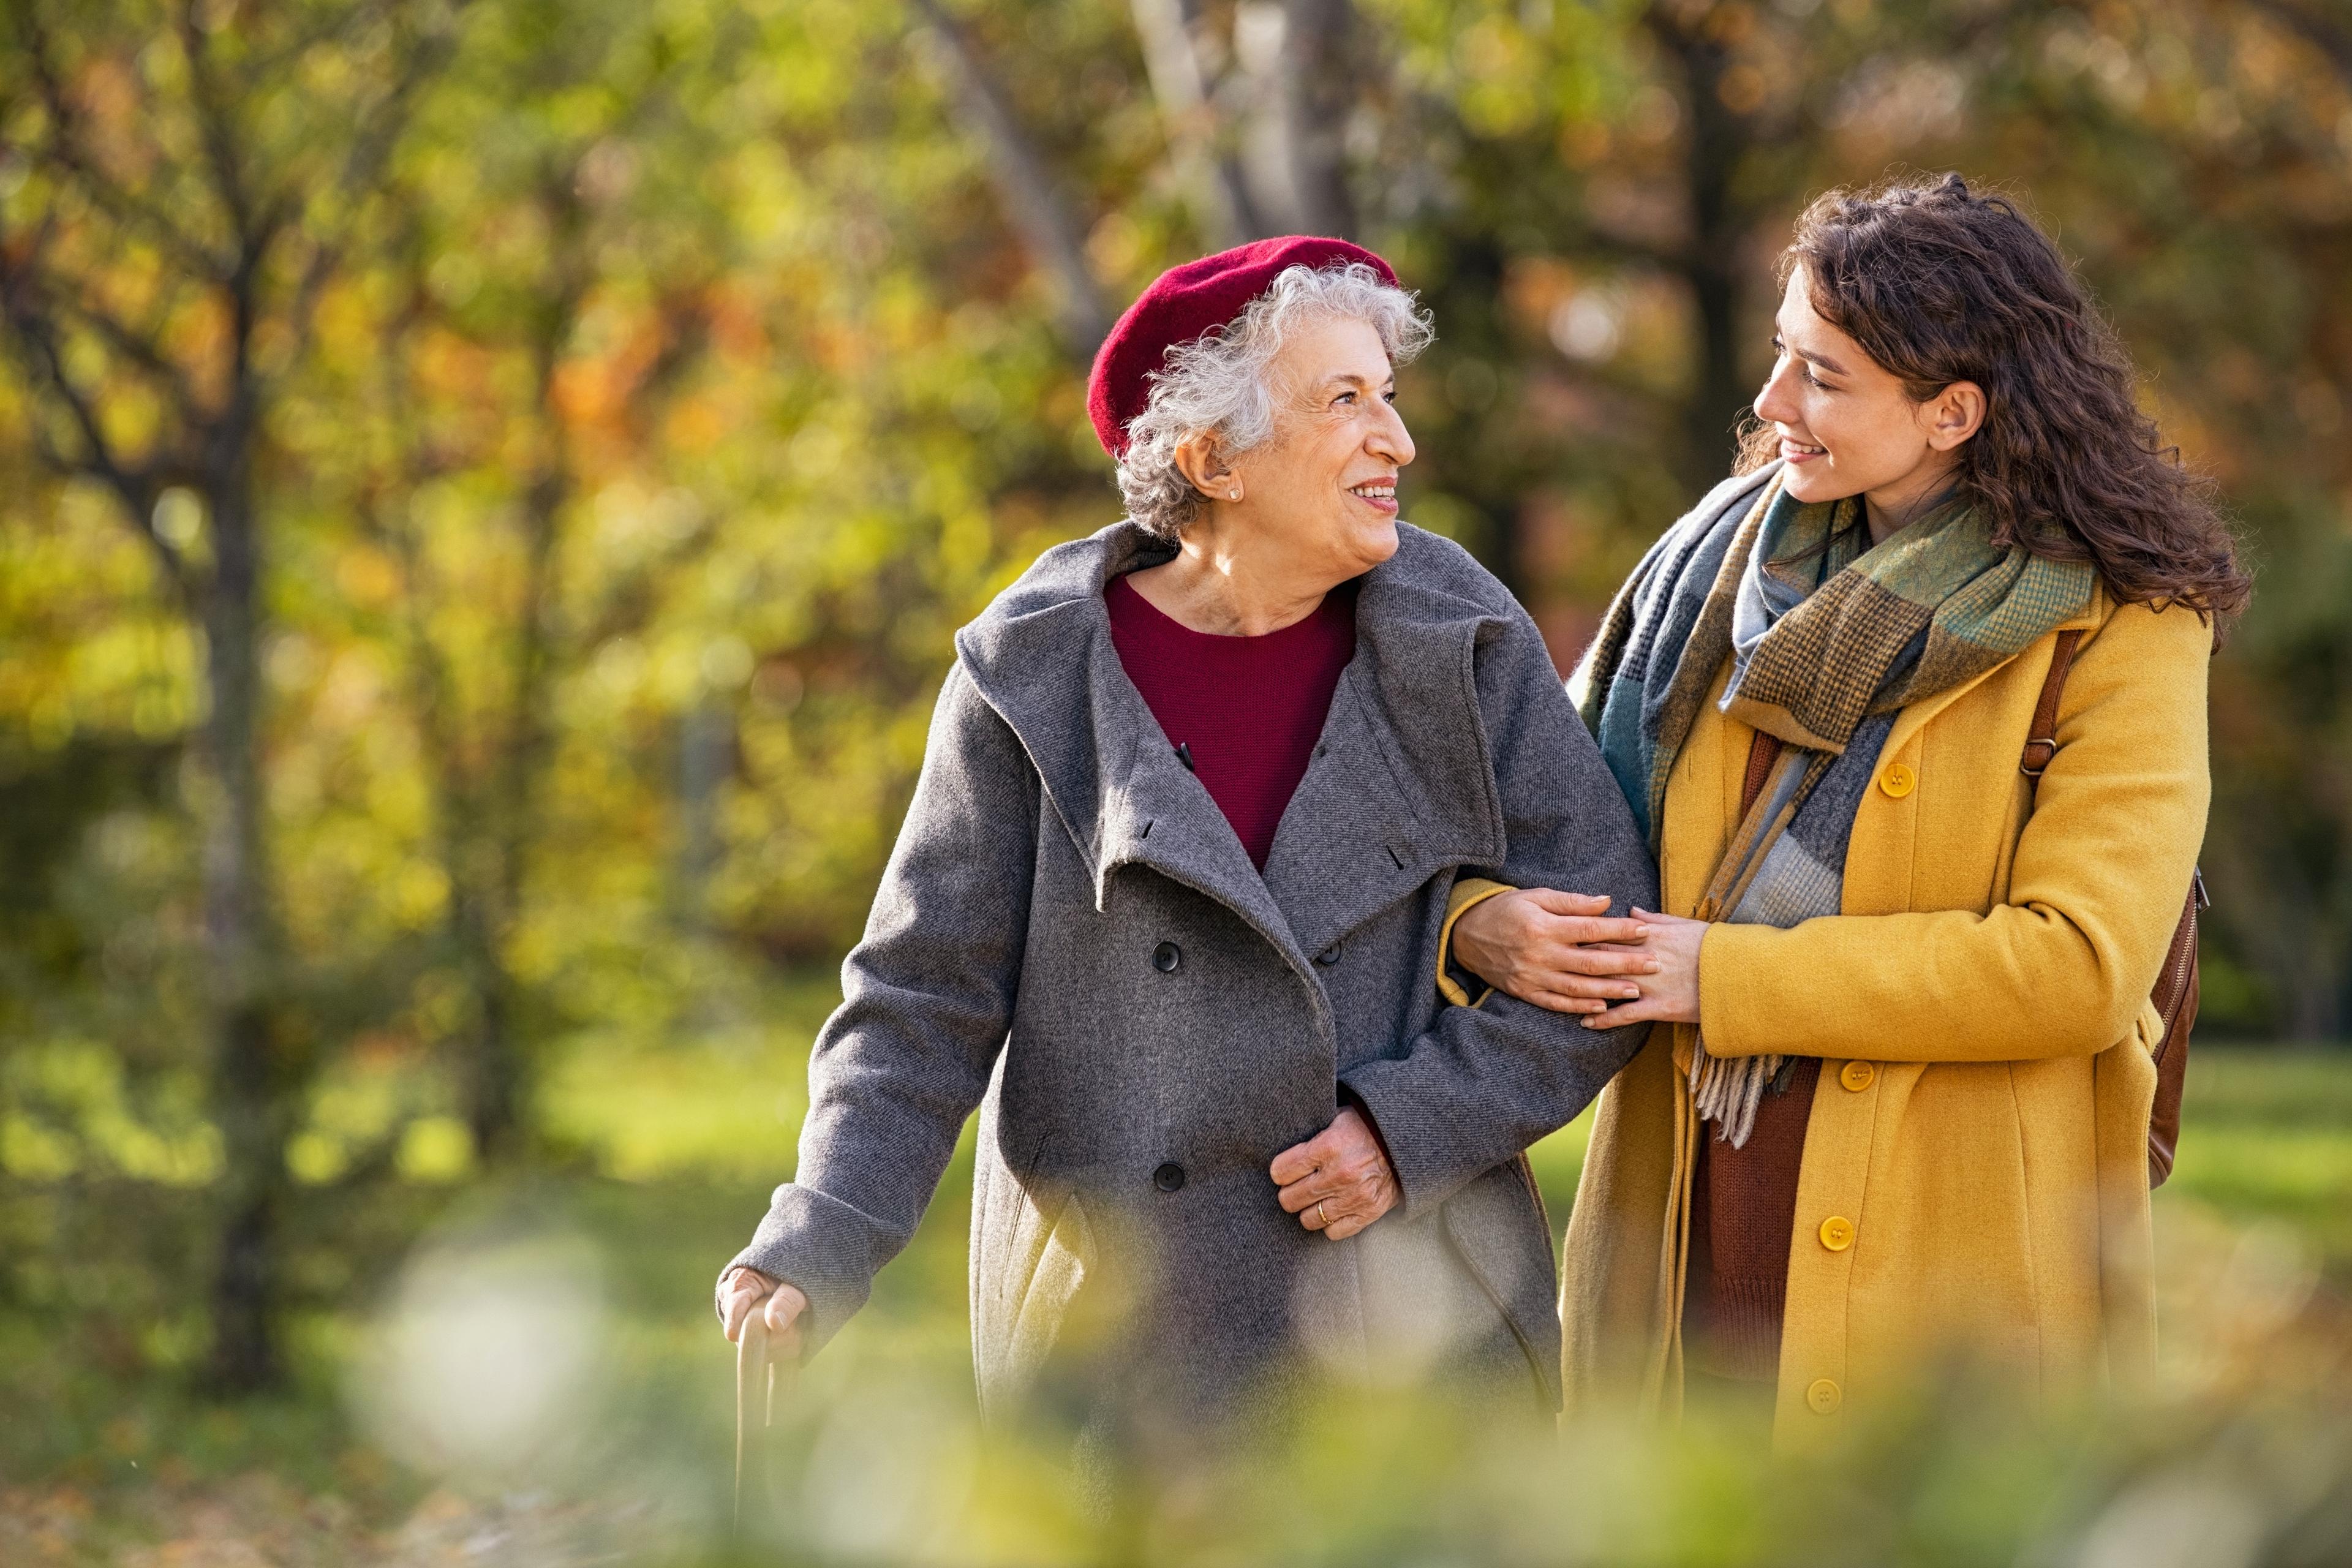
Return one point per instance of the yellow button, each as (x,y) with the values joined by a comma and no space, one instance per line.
(1898,779)
(1857,1076)
(1837,1233)
(1823,1396)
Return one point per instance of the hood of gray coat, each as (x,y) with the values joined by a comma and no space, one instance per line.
(1400,784)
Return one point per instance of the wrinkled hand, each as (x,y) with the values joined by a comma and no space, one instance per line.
(1338,1181)
(1556,950)
(748,1291)
(1670,996)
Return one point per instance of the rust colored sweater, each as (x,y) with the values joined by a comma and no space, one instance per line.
(1744,1208)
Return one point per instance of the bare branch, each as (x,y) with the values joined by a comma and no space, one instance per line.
(1039,213)
(341,25)
(136,486)
(67,153)
(141,350)
(213,124)
(1187,97)
(363,163)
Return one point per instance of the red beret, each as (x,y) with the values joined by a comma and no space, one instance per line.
(1187,301)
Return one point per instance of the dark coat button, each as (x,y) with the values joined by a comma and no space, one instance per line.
(1166,957)
(1169,1177)
(1329,956)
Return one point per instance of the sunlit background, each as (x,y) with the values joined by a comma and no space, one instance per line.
(486,489)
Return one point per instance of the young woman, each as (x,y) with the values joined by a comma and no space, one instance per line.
(1901,1115)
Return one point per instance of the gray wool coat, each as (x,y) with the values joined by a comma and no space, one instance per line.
(1070,938)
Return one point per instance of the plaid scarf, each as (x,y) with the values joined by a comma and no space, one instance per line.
(1829,639)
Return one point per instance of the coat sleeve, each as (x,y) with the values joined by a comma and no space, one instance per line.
(1483,1083)
(2096,890)
(927,997)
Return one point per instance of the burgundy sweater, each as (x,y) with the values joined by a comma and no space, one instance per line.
(1245,711)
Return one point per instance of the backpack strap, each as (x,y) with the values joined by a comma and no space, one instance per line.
(2041,741)
(2175,992)
(1762,752)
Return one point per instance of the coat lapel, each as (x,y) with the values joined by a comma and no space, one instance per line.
(1042,657)
(1400,785)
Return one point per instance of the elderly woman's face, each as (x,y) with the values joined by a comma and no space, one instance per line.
(1327,476)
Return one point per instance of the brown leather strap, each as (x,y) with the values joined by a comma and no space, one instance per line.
(2041,741)
(1761,755)
(2175,988)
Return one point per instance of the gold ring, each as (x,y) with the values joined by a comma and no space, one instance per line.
(1320,1214)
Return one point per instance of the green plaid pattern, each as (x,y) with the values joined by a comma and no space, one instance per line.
(1874,630)
(1828,638)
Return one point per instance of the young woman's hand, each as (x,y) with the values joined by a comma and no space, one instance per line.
(1670,991)
(1556,950)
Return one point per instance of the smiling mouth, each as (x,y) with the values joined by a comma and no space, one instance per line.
(1377,490)
(1796,447)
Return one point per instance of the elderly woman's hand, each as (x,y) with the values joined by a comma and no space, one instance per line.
(747,1291)
(1338,1181)
(1556,950)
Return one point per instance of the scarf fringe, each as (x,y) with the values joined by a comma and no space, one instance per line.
(1727,1091)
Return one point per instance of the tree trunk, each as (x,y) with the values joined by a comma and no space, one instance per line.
(1466,458)
(1717,142)
(1320,76)
(499,1080)
(249,1075)
(492,1079)
(706,754)
(2315,1012)
(2305,966)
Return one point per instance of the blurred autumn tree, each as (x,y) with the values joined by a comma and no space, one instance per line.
(184,191)
(492,486)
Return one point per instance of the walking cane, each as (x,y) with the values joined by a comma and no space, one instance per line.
(755,1414)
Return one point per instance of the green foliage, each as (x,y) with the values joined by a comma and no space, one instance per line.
(640,395)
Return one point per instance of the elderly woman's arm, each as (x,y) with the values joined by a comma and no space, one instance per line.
(1484,1083)
(927,997)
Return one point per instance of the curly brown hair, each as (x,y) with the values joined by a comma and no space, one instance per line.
(1938,284)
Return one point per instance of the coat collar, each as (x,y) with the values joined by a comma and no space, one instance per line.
(1915,718)
(1400,784)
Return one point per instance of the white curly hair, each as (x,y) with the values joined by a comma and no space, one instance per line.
(1217,386)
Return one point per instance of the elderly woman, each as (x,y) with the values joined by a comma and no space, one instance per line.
(1166,899)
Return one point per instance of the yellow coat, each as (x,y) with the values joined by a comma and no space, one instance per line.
(1982,1117)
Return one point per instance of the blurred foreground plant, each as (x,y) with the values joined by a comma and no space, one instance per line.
(2240,1453)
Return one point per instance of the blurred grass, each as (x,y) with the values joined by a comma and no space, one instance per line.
(2267,1135)
(665,1150)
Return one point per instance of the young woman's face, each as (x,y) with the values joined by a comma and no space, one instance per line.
(1846,424)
